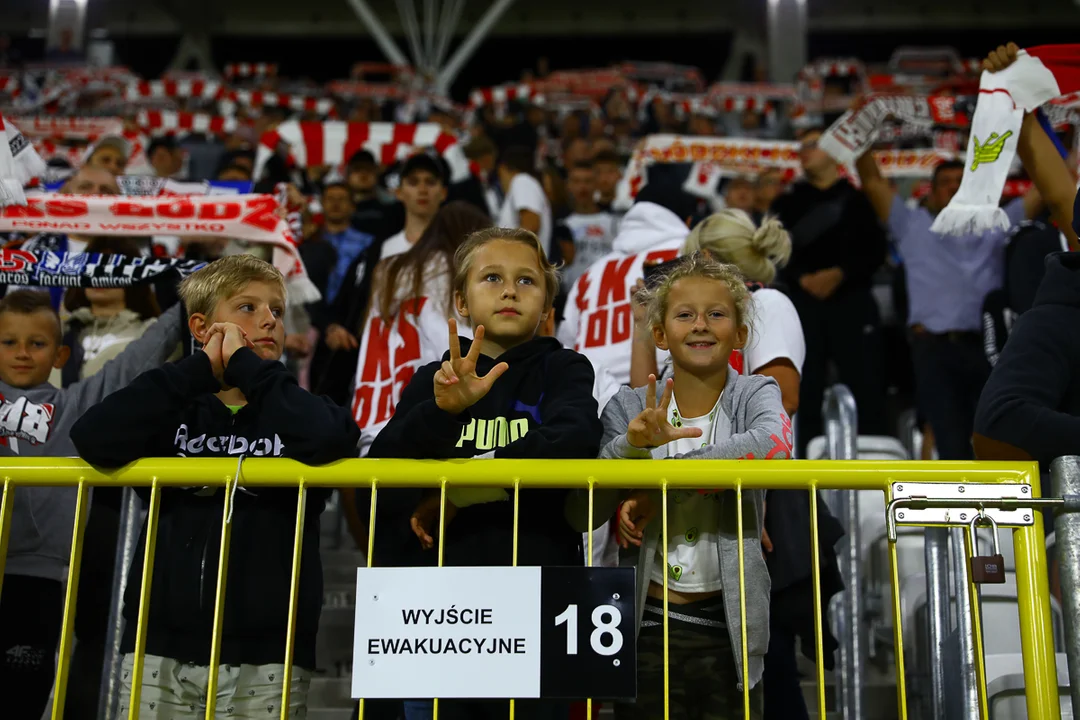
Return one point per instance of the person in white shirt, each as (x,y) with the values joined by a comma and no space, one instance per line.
(591,229)
(422,190)
(598,318)
(525,205)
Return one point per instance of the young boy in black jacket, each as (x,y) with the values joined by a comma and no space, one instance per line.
(505,394)
(232,399)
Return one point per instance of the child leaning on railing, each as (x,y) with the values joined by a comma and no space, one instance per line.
(705,411)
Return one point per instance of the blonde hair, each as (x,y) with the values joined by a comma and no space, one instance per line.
(732,237)
(697,265)
(463,258)
(222,279)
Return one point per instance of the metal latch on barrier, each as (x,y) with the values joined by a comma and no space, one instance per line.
(950,504)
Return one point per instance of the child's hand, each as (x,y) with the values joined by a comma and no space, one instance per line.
(651,428)
(457,386)
(634,514)
(425,519)
(212,348)
(233,338)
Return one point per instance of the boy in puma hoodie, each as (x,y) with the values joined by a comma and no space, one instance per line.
(505,394)
(232,399)
(36,420)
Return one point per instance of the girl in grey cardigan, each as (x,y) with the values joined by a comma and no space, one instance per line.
(706,410)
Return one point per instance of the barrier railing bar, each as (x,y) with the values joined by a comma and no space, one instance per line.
(371,547)
(294,598)
(815,569)
(6,506)
(1065,474)
(969,694)
(971,545)
(898,630)
(219,595)
(152,517)
(936,563)
(743,643)
(841,431)
(664,554)
(67,633)
(605,474)
(126,544)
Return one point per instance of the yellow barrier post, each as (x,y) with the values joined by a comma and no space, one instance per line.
(67,633)
(1036,633)
(6,506)
(664,551)
(744,645)
(219,598)
(898,630)
(152,516)
(815,569)
(370,547)
(294,598)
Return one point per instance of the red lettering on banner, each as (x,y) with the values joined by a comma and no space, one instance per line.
(613,281)
(621,323)
(131,209)
(263,213)
(66,208)
(177,209)
(32,209)
(377,362)
(362,403)
(15,260)
(385,409)
(583,285)
(219,211)
(596,329)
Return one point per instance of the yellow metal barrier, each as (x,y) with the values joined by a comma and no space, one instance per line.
(1040,675)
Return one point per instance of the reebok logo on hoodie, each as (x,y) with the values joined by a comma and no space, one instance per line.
(220,445)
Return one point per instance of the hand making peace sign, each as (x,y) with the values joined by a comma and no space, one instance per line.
(651,428)
(457,386)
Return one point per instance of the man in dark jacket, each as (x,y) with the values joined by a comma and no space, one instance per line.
(1030,407)
(837,245)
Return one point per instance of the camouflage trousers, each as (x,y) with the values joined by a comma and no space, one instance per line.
(703,681)
(173,690)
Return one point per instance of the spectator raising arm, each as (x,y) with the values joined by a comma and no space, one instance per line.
(877,188)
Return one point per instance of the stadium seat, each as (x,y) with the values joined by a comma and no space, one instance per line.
(1005,686)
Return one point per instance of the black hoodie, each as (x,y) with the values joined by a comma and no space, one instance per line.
(1032,399)
(541,407)
(172,411)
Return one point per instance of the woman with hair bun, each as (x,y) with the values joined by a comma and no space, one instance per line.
(777,347)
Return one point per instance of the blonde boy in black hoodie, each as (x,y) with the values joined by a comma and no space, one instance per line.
(233,399)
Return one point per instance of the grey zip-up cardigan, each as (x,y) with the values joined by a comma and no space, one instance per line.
(751,424)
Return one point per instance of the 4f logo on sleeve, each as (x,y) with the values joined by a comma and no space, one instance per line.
(24,420)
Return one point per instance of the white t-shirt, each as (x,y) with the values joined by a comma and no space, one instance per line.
(598,320)
(692,557)
(394,245)
(775,332)
(593,235)
(526,193)
(392,348)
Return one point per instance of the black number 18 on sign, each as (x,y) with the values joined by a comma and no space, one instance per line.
(588,633)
